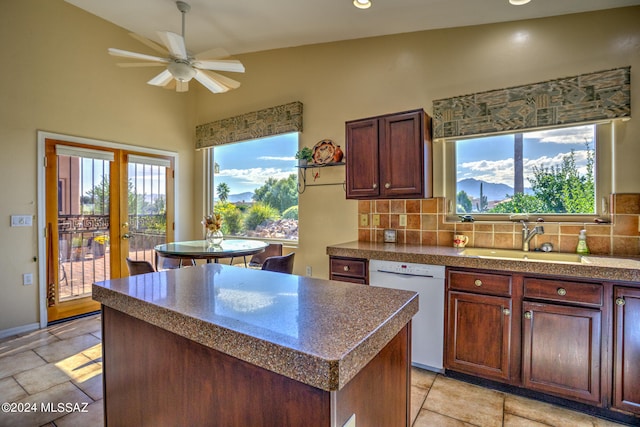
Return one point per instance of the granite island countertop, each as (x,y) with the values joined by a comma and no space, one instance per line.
(592,267)
(318,332)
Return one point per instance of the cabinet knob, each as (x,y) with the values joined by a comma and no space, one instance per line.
(528,315)
(387,185)
(346,268)
(375,186)
(562,292)
(506,311)
(620,301)
(478,282)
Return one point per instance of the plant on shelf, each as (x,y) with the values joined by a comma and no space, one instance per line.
(304,156)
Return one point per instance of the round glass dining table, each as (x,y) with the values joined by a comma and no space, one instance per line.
(200,249)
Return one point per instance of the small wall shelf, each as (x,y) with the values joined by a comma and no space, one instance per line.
(302,176)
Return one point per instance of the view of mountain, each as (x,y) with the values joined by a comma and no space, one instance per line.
(493,191)
(247,196)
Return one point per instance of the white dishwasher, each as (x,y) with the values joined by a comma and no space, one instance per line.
(427,336)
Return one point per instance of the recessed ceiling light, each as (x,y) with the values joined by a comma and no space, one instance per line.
(362,4)
(519,2)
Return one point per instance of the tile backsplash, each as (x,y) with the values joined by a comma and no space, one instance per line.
(426,224)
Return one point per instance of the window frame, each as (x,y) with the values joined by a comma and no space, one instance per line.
(603,175)
(209,186)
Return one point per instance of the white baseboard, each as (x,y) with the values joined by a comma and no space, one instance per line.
(19,330)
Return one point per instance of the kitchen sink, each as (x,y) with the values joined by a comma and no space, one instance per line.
(520,255)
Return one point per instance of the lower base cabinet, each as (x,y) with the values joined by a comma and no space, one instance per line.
(626,357)
(561,351)
(479,335)
(573,339)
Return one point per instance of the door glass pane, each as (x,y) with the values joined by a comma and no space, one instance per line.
(83,225)
(147,203)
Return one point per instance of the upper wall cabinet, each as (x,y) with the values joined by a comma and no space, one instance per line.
(389,157)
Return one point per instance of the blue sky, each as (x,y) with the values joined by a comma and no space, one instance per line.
(491,158)
(245,166)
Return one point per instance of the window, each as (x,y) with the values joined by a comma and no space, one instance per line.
(255,187)
(547,172)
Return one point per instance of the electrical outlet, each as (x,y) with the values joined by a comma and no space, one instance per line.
(364,220)
(27,279)
(308,271)
(402,220)
(376,220)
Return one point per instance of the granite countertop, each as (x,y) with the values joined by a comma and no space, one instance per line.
(318,332)
(591,267)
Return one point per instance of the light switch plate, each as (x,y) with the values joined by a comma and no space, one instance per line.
(364,220)
(21,221)
(402,220)
(376,220)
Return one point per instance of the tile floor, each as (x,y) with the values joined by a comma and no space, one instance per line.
(62,364)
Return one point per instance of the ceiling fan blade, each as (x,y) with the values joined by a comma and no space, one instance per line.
(161,79)
(140,64)
(215,53)
(153,45)
(175,44)
(230,83)
(182,86)
(134,55)
(221,65)
(171,85)
(210,82)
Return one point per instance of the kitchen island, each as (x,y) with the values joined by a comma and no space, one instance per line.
(221,345)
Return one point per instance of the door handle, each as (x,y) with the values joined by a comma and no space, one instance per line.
(127,236)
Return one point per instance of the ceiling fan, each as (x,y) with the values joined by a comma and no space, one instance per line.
(181,66)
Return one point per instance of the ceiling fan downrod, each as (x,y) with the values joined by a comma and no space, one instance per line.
(183,7)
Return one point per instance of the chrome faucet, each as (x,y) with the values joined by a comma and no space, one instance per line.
(527,234)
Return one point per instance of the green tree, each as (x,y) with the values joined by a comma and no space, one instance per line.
(99,196)
(519,203)
(231,217)
(563,189)
(223,191)
(278,193)
(464,202)
(259,213)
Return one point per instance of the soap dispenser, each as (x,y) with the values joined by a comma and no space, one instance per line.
(582,247)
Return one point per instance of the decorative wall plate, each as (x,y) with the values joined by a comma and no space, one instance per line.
(323,152)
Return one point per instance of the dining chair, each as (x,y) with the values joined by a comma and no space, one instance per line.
(172,263)
(139,267)
(281,264)
(272,249)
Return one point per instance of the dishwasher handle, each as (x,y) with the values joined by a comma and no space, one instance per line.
(405,274)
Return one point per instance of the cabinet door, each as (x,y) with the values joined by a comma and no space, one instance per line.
(561,350)
(402,148)
(626,390)
(362,159)
(479,335)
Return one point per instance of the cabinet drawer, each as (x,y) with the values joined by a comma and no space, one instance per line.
(480,283)
(582,293)
(349,267)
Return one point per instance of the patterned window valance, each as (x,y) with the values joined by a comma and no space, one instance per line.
(258,124)
(585,98)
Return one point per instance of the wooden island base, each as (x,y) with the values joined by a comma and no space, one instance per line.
(153,377)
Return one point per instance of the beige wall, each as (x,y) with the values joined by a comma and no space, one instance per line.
(57,77)
(355,79)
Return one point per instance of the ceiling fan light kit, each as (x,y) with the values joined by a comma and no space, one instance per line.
(362,4)
(519,2)
(181,66)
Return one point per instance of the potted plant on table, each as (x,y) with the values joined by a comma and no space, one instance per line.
(304,156)
(212,227)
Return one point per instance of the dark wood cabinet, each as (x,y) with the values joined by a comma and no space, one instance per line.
(626,357)
(562,339)
(480,327)
(561,350)
(389,156)
(354,270)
